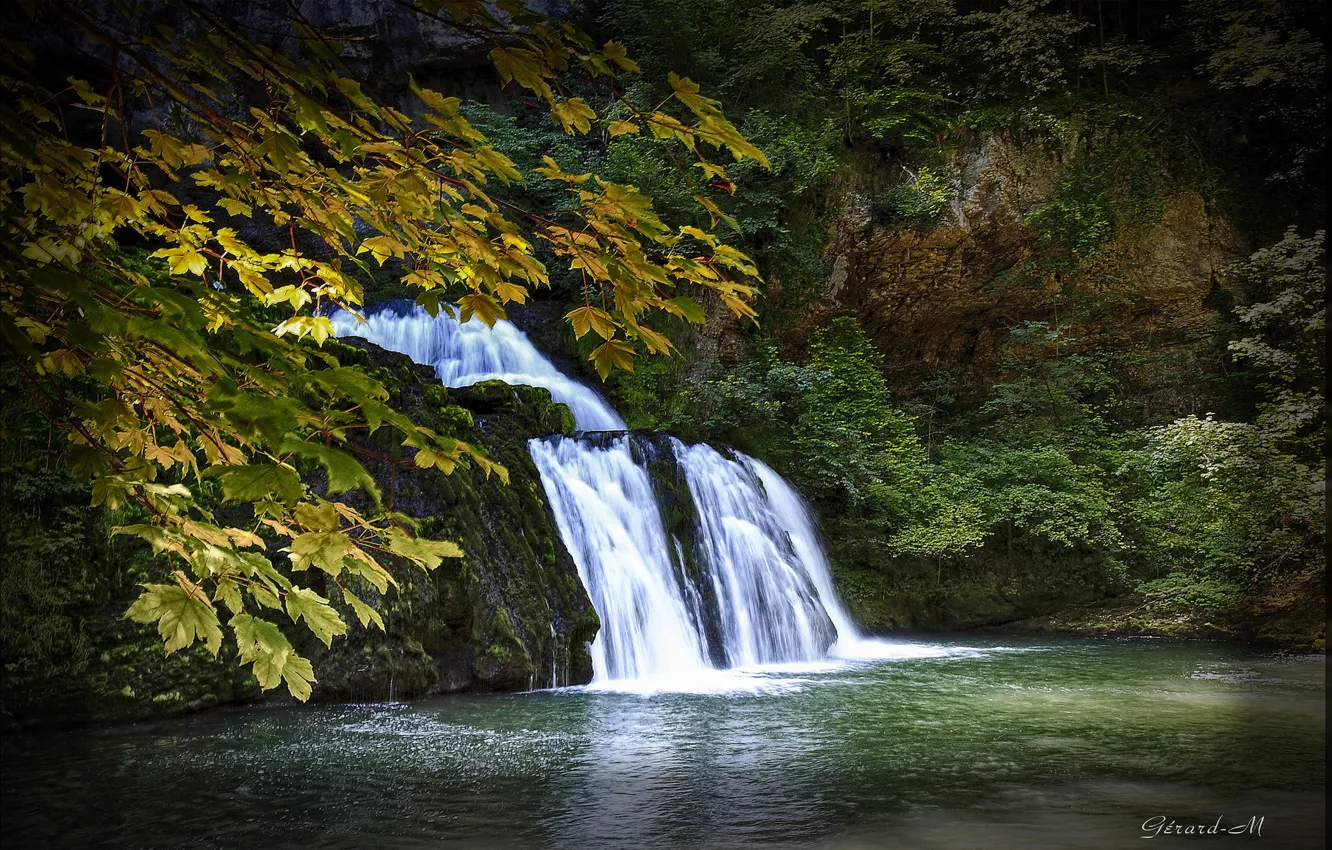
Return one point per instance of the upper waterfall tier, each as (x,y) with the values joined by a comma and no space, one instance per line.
(466,353)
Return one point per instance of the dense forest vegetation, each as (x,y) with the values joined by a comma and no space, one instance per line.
(1027,298)
(1099,443)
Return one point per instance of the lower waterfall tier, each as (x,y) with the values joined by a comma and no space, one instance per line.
(695,561)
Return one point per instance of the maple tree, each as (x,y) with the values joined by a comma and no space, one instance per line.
(211,367)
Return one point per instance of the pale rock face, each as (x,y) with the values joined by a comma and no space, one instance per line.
(931,302)
(1175,262)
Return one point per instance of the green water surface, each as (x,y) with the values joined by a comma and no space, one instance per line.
(985,743)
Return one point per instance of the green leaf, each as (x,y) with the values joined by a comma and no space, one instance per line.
(262,644)
(435,100)
(181,617)
(156,535)
(363,565)
(573,114)
(591,318)
(324,549)
(298,673)
(256,564)
(497,163)
(687,308)
(234,207)
(319,328)
(427,553)
(265,597)
(364,612)
(613,354)
(344,471)
(254,481)
(426,458)
(382,248)
(523,66)
(429,301)
(483,307)
(319,617)
(320,517)
(615,52)
(228,592)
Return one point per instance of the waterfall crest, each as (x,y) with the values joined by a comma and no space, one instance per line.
(735,579)
(466,353)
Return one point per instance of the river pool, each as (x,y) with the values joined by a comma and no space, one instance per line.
(955,743)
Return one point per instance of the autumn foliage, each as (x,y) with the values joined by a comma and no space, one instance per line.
(210,147)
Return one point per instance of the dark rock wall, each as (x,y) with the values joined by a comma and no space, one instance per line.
(66,653)
(511,615)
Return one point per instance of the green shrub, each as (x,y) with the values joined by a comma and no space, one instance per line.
(922,203)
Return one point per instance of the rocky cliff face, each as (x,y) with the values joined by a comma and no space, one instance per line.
(936,300)
(382,41)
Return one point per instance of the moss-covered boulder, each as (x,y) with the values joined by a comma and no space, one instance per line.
(991,586)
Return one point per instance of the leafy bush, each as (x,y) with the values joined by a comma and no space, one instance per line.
(1223,496)
(1288,336)
(922,203)
(1039,490)
(1118,182)
(1192,589)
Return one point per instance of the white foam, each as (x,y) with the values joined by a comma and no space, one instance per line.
(705,681)
(871,649)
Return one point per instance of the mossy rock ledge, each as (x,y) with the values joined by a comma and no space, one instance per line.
(513,613)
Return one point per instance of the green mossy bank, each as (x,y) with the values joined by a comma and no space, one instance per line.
(510,615)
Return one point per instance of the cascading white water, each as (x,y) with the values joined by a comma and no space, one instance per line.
(609,519)
(754,587)
(796,519)
(760,555)
(466,353)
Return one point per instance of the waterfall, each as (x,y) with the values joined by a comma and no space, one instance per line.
(609,519)
(735,579)
(466,353)
(761,555)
